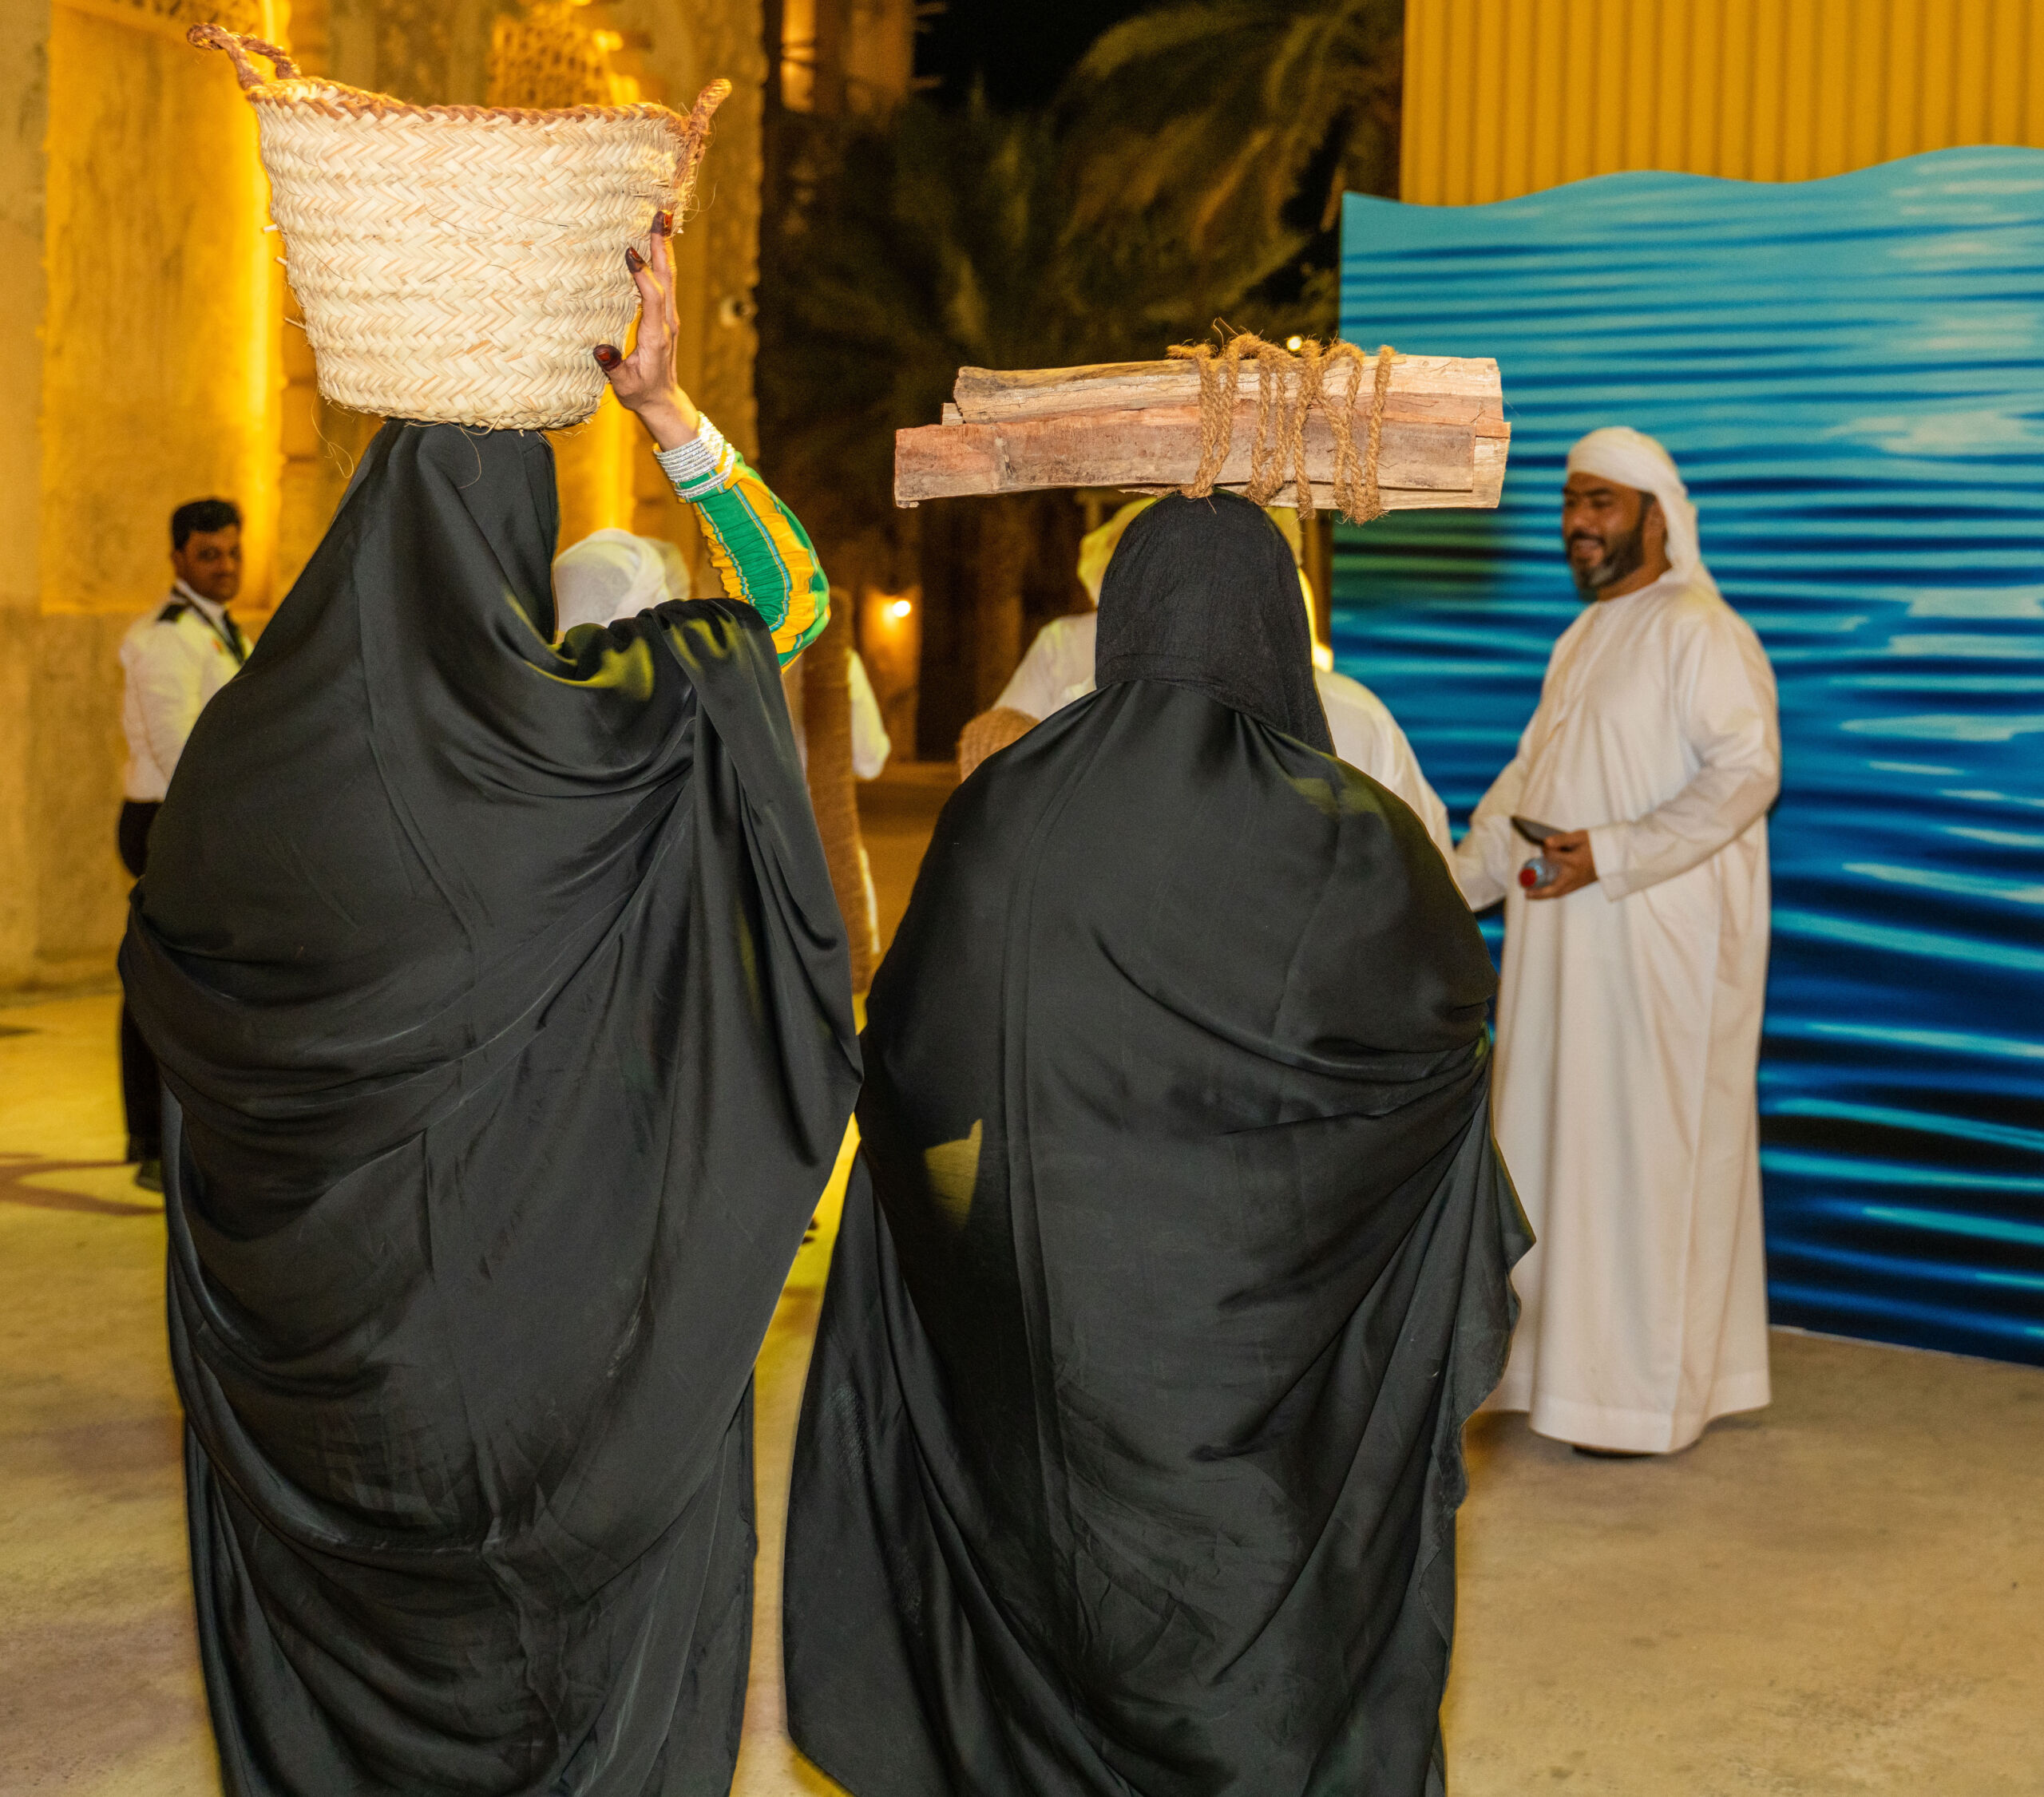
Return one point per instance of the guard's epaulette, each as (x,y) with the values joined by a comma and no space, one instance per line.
(173,611)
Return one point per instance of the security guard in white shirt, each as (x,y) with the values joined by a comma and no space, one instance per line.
(175,657)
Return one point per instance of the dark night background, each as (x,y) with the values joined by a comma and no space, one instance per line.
(1022,49)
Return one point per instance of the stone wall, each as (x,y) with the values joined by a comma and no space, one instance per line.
(24,117)
(145,360)
(137,368)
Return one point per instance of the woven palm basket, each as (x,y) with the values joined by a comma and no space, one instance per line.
(459,263)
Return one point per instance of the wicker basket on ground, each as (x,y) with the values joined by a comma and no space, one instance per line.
(459,263)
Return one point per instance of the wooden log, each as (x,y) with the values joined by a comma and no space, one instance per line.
(1423,462)
(1458,389)
(1135,425)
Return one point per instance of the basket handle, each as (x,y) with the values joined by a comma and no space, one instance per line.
(218,37)
(693,133)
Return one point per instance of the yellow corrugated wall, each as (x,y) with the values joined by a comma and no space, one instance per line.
(1508,97)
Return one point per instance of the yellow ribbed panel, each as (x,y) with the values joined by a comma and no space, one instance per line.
(1508,97)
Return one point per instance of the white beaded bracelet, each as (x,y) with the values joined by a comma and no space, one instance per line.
(703,464)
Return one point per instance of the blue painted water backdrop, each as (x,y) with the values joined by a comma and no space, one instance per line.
(1850,374)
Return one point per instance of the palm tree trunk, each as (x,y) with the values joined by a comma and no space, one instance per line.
(1004,561)
(827,719)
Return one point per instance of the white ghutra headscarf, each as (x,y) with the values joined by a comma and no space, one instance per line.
(1633,459)
(612,574)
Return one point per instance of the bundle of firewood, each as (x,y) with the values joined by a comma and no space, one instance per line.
(1370,434)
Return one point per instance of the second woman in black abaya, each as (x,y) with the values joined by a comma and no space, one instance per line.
(1175,1256)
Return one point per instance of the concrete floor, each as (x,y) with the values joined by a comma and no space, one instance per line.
(1842,1595)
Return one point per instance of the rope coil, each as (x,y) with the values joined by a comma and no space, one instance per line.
(1290,388)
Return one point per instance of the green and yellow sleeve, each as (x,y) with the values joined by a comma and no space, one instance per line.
(762,553)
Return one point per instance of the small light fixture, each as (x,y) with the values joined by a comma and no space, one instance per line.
(900,608)
(1295,344)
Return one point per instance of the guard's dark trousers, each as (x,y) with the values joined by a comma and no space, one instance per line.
(141,1088)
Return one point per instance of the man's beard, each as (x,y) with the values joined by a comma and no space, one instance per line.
(1627,556)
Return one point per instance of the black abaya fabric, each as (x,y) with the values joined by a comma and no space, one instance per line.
(1174,1259)
(504,1007)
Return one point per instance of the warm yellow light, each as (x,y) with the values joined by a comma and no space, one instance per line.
(1295,344)
(900,608)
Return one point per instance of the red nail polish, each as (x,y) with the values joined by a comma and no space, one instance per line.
(633,260)
(665,224)
(606,354)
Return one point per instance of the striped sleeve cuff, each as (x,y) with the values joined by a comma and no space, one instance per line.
(704,465)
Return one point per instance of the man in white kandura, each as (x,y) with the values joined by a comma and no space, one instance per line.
(1630,1012)
(1058,668)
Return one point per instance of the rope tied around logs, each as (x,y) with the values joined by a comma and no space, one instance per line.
(1290,388)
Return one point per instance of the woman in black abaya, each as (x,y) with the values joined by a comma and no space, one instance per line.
(504,1009)
(1175,1257)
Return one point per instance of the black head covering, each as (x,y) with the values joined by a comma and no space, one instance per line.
(1203,593)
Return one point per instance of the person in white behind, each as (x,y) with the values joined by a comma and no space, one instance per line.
(611,575)
(1629,1016)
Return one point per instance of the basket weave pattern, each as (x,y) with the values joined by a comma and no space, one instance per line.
(459,263)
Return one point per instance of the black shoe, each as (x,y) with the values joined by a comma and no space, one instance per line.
(149,1174)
